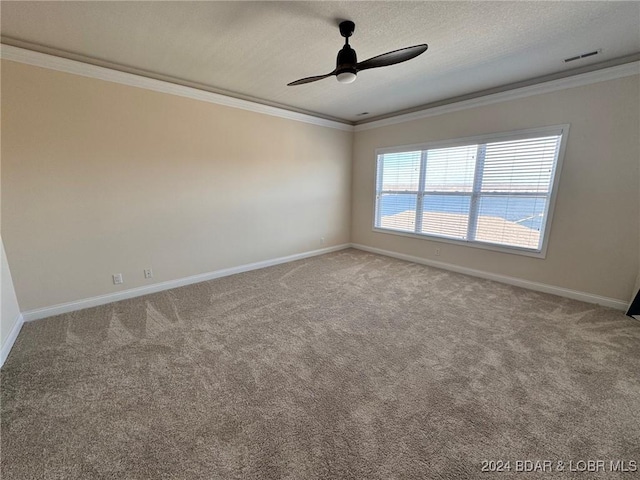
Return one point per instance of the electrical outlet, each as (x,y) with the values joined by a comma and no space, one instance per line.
(321,240)
(117,279)
(148,273)
(437,252)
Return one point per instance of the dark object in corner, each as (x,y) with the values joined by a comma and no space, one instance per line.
(634,308)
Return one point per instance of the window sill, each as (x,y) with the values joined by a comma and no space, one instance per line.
(475,244)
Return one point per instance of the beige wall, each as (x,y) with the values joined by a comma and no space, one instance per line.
(636,288)
(9,310)
(593,246)
(101,178)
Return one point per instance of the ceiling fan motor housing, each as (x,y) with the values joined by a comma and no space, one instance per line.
(346,61)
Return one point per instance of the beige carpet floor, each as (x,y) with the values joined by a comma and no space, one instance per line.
(345,366)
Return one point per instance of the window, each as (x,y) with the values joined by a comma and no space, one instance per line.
(494,191)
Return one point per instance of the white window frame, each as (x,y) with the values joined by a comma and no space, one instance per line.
(562,130)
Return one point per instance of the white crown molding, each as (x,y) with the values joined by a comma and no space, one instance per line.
(517,282)
(611,73)
(11,339)
(61,308)
(29,57)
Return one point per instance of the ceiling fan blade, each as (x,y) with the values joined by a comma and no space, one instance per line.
(310,79)
(391,58)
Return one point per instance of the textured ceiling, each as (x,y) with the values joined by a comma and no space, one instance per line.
(253,49)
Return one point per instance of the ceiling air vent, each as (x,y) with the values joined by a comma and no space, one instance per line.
(584,55)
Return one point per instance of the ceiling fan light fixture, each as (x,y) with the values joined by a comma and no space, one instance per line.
(346,77)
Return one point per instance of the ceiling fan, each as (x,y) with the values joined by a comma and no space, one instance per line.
(347,65)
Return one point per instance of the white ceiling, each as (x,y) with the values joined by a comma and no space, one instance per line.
(252,50)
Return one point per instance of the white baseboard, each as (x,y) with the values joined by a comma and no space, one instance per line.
(518,282)
(11,339)
(59,309)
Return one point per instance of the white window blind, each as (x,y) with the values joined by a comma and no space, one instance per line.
(492,192)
